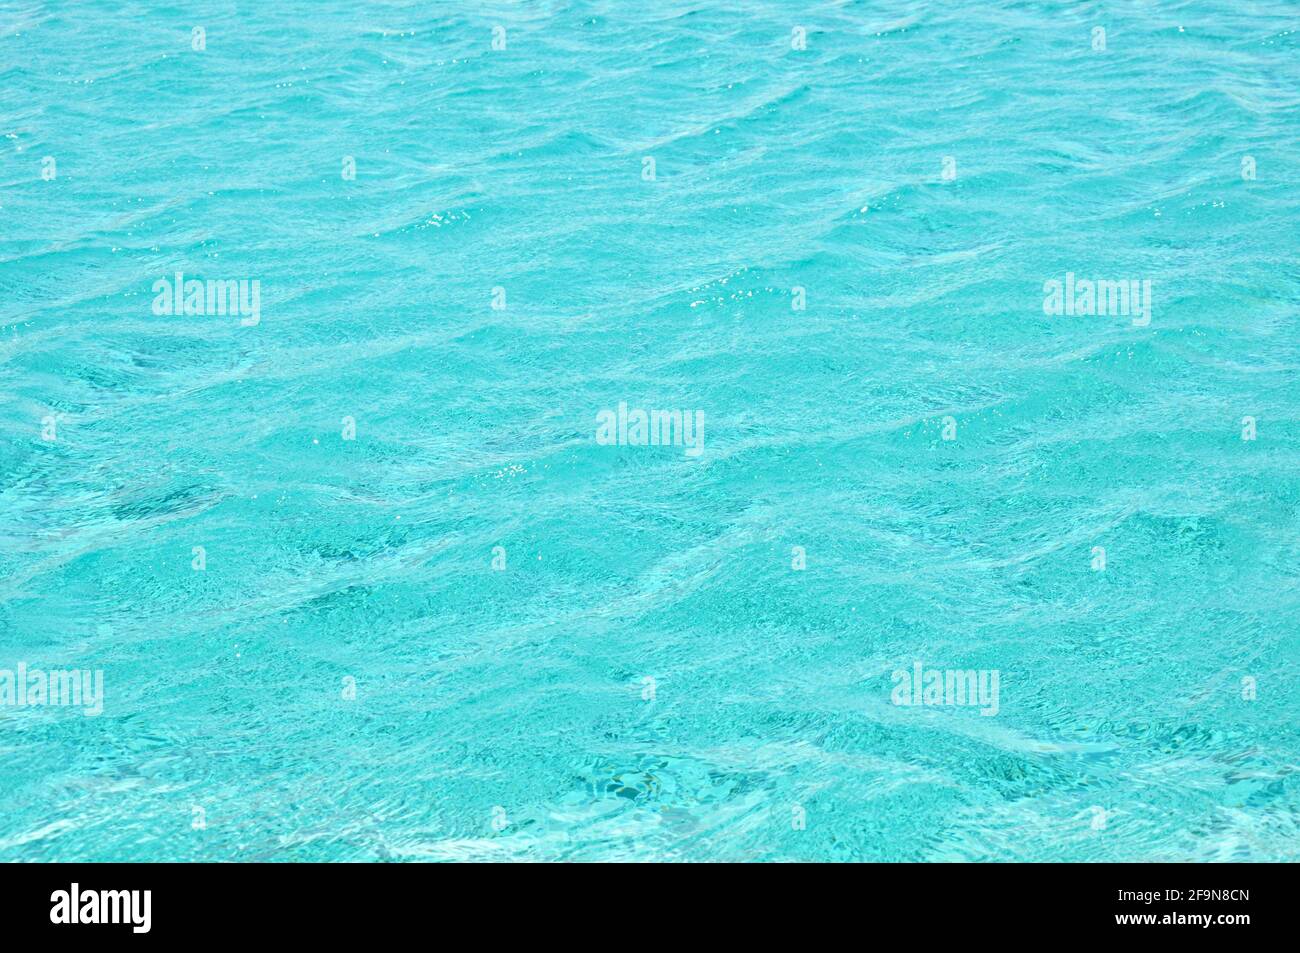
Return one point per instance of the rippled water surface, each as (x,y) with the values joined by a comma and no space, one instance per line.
(649,677)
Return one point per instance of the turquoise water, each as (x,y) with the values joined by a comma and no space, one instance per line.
(348,677)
